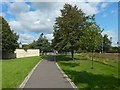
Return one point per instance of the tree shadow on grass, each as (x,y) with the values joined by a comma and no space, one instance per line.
(70,64)
(67,58)
(93,80)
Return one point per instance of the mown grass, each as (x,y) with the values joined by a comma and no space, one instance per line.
(0,75)
(102,76)
(14,71)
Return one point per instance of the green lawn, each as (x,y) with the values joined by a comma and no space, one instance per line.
(15,70)
(80,72)
(0,75)
(110,59)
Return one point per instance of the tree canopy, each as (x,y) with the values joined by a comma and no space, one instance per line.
(69,28)
(91,38)
(9,38)
(66,28)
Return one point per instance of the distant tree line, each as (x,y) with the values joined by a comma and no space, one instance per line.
(42,43)
(9,40)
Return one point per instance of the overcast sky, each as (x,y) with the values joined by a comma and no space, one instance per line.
(30,19)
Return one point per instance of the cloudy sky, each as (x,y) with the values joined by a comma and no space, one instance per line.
(30,19)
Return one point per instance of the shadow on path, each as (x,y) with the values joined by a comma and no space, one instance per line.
(49,58)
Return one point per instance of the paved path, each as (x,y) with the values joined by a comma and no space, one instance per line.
(47,75)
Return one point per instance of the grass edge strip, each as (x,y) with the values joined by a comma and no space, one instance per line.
(68,79)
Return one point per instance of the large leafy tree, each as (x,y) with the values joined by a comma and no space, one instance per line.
(9,38)
(68,29)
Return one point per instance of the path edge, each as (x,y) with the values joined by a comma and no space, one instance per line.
(68,79)
(29,75)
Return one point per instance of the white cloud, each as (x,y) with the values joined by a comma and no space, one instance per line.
(113,34)
(89,8)
(60,0)
(104,5)
(42,19)
(54,8)
(16,26)
(25,38)
(49,36)
(45,6)
(18,7)
(114,11)
(104,15)
(2,14)
(32,21)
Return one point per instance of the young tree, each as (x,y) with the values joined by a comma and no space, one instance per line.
(91,39)
(67,29)
(9,38)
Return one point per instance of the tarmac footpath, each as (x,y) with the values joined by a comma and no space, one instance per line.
(48,75)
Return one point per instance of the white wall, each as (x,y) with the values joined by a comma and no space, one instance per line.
(30,52)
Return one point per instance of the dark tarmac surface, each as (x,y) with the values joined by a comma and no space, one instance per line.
(47,75)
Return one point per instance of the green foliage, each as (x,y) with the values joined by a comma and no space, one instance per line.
(9,38)
(42,44)
(91,38)
(114,50)
(106,43)
(33,45)
(25,47)
(68,29)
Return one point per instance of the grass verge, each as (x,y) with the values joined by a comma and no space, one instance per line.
(0,75)
(79,71)
(15,70)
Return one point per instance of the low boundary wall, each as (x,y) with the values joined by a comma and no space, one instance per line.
(27,53)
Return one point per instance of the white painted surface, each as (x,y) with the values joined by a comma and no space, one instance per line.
(30,52)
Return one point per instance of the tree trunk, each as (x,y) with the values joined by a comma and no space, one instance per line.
(72,52)
(92,60)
